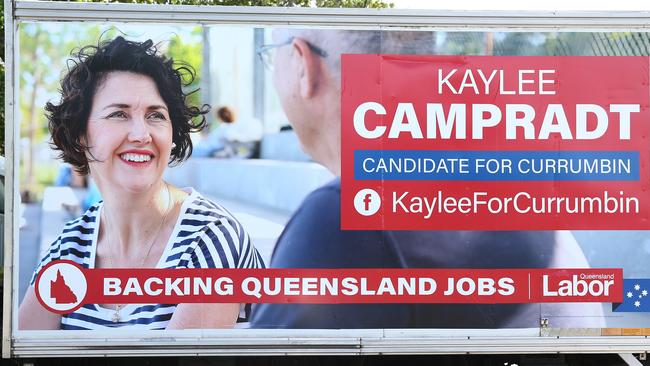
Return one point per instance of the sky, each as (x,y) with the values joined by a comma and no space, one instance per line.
(566,5)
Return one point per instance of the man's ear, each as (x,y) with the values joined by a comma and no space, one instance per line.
(309,72)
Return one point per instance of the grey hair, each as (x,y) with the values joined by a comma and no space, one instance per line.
(337,42)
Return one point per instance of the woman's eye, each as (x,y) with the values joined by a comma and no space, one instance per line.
(117,114)
(157,116)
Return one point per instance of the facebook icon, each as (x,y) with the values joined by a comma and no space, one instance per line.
(367,202)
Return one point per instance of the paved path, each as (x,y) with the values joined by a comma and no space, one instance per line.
(29,252)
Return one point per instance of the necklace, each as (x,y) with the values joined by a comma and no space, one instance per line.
(116,315)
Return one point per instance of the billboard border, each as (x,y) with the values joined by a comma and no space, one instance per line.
(265,344)
(284,342)
(201,14)
(10,204)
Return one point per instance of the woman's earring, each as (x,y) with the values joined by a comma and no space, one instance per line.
(173,145)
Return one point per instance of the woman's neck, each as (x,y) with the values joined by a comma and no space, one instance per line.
(132,220)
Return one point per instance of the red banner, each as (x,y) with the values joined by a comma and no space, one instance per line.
(64,286)
(495,143)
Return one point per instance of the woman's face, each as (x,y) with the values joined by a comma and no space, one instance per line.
(129,133)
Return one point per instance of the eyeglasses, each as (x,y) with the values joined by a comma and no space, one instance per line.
(266,53)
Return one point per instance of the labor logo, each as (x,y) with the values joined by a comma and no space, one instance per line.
(61,286)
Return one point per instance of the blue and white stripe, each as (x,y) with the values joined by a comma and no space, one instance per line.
(206,235)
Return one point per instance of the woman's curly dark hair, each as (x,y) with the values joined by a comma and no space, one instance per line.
(68,120)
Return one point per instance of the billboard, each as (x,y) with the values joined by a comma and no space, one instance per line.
(344,184)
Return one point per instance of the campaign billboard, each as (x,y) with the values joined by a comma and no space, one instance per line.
(238,182)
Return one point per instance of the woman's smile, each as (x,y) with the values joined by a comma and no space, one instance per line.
(137,157)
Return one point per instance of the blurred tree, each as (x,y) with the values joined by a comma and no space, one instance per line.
(463,43)
(32,70)
(353,4)
(189,50)
(285,3)
(519,43)
(571,44)
(43,48)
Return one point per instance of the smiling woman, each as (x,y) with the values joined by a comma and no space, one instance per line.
(123,118)
(129,133)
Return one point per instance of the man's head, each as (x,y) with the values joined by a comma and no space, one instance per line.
(307,77)
(226,115)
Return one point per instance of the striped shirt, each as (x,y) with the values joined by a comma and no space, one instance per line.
(206,235)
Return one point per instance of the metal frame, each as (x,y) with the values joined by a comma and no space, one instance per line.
(281,342)
(338,342)
(11,162)
(64,11)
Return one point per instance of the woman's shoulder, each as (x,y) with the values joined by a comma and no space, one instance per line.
(202,212)
(214,238)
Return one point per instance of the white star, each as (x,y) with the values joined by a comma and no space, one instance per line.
(644,292)
(629,295)
(637,287)
(637,303)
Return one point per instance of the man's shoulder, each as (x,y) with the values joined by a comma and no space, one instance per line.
(313,237)
(322,206)
(329,193)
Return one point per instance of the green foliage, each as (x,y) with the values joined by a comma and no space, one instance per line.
(565,44)
(2,31)
(189,50)
(44,48)
(520,44)
(545,44)
(378,4)
(2,79)
(463,43)
(284,3)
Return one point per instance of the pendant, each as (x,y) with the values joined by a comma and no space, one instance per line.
(116,315)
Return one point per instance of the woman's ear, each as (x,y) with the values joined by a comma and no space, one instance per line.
(309,67)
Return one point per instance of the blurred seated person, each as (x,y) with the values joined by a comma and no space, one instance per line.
(232,138)
(68,177)
(93,196)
